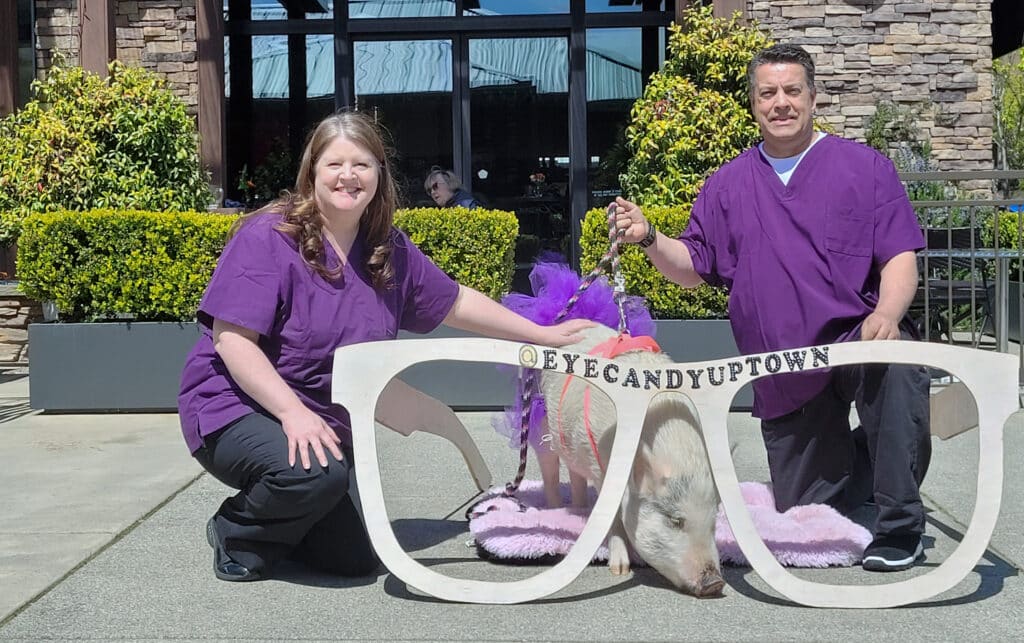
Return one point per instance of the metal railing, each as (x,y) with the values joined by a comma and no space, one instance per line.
(972,269)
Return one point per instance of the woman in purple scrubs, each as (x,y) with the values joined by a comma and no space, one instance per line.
(319,269)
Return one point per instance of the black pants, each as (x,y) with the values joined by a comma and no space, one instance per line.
(282,511)
(814,457)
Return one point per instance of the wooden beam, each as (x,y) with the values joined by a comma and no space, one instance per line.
(725,8)
(681,6)
(210,56)
(97,47)
(8,56)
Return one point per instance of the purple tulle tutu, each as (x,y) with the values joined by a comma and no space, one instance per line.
(554,284)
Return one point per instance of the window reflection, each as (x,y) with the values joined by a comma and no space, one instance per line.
(400,8)
(519,116)
(276,9)
(618,61)
(26,52)
(260,166)
(514,7)
(608,6)
(407,85)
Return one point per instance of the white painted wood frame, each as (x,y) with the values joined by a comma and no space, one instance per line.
(363,371)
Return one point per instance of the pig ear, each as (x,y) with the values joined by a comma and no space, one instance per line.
(641,474)
(649,472)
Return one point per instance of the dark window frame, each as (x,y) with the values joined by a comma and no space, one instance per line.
(460,29)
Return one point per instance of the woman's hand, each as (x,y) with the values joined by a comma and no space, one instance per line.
(307,431)
(253,372)
(567,332)
(629,218)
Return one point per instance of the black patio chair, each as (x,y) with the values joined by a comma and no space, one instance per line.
(952,288)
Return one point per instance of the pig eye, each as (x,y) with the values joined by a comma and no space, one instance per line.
(677,522)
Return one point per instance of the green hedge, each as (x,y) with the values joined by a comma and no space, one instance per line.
(107,264)
(475,247)
(665,299)
(154,266)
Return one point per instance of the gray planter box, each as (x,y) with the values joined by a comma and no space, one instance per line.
(136,366)
(109,366)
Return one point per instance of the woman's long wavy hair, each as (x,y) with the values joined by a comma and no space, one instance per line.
(302,219)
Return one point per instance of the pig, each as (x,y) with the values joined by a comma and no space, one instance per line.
(668,511)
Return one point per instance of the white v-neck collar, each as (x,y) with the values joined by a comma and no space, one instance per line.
(784,167)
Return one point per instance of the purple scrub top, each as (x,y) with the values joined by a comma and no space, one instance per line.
(262,284)
(801,261)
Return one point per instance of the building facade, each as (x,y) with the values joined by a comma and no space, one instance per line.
(524,99)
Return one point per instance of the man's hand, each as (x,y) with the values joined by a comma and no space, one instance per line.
(878,326)
(630,218)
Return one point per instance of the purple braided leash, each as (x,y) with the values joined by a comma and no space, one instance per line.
(528,377)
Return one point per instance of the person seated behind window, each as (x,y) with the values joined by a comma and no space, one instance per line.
(445,188)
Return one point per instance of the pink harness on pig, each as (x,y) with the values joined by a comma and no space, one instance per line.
(621,343)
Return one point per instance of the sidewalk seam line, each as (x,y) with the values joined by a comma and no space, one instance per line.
(117,538)
(988,547)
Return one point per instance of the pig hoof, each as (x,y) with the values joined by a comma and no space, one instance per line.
(711,586)
(619,568)
(618,558)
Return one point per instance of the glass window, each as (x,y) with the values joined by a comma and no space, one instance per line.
(276,9)
(618,60)
(407,85)
(400,8)
(608,6)
(519,120)
(259,167)
(269,66)
(26,52)
(514,7)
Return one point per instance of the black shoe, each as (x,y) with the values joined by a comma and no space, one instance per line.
(223,567)
(892,553)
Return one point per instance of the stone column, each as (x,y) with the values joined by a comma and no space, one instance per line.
(16,312)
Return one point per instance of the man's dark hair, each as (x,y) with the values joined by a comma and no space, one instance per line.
(782,53)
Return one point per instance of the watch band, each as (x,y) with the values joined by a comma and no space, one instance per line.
(648,239)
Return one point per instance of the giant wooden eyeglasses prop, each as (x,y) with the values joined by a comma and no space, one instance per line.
(365,383)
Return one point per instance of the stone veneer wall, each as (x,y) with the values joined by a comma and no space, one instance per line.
(16,312)
(936,55)
(56,30)
(159,35)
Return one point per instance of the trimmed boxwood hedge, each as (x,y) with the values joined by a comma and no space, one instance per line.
(107,264)
(665,299)
(476,247)
(154,266)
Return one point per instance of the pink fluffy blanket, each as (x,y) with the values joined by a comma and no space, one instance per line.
(805,536)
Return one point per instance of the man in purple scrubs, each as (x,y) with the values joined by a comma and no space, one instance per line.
(318,269)
(815,238)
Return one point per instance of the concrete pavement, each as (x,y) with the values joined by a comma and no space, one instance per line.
(101,538)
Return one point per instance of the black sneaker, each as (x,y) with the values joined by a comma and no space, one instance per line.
(892,553)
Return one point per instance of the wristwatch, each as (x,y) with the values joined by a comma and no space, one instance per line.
(648,239)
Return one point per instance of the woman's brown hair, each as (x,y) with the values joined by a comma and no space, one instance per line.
(301,218)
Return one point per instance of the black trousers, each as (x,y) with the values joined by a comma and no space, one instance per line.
(814,457)
(282,511)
